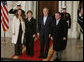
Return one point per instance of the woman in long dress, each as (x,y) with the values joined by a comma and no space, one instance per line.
(30,33)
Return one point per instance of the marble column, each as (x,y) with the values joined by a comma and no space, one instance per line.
(69,8)
(75,31)
(34,9)
(60,6)
(63,4)
(23,4)
(72,7)
(27,5)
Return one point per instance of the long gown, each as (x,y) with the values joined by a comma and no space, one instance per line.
(18,45)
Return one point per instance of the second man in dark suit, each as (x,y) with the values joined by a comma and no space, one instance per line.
(59,35)
(44,27)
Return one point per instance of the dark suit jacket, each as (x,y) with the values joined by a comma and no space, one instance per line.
(58,32)
(66,17)
(30,27)
(44,29)
(12,11)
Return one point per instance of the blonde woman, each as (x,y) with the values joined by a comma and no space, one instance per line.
(30,33)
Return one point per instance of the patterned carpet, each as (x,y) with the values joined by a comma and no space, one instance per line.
(36,52)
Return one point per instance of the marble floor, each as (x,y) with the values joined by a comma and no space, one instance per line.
(72,53)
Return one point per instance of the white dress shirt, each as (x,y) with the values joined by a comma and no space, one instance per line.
(57,21)
(44,19)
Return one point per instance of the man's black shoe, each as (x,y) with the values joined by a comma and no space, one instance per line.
(40,56)
(45,57)
(57,59)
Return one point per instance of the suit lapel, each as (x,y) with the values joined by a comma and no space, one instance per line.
(58,23)
(42,20)
(46,20)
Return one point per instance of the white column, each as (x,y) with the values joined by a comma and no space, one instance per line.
(34,10)
(27,4)
(69,8)
(30,5)
(23,5)
(60,6)
(74,31)
(63,4)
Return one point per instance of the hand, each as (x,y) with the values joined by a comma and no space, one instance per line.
(51,38)
(64,38)
(13,33)
(34,35)
(15,8)
(49,35)
(38,34)
(23,46)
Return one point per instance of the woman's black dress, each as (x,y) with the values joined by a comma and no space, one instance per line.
(30,29)
(18,45)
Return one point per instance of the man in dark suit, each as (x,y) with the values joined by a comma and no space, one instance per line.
(14,10)
(66,17)
(44,27)
(59,35)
